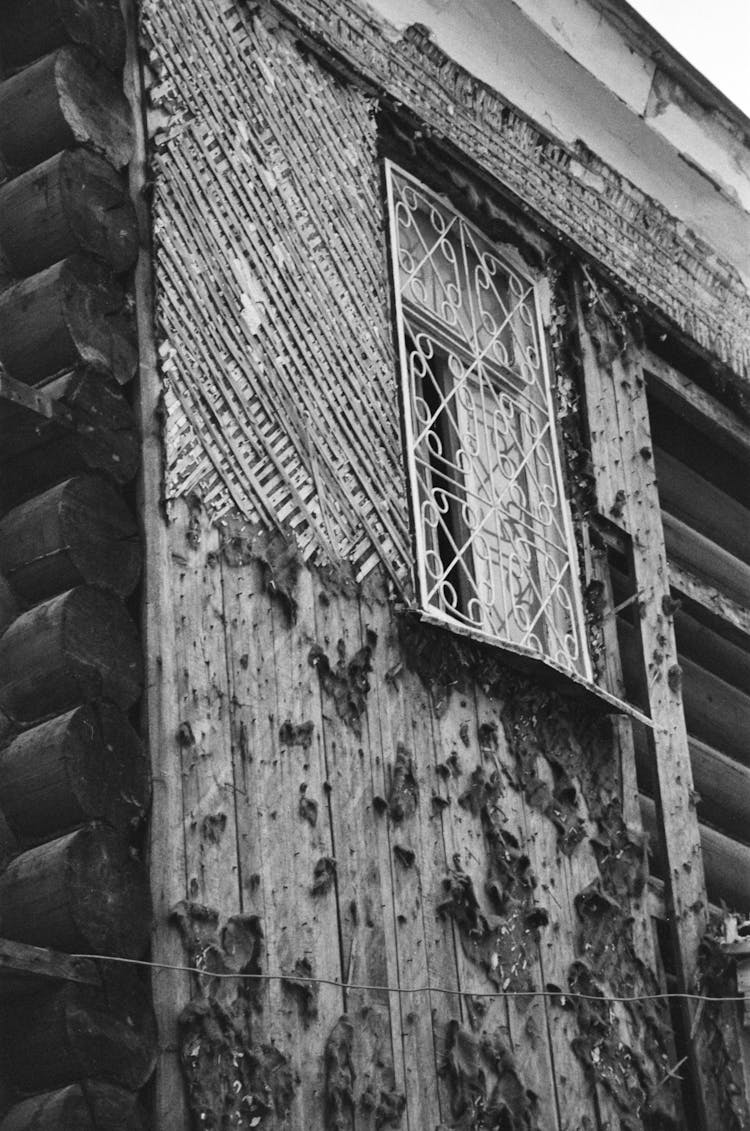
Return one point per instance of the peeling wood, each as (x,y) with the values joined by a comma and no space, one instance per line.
(281,245)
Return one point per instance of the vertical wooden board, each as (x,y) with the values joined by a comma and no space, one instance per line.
(601,417)
(425,944)
(527,1017)
(362,886)
(282,832)
(559,880)
(204,726)
(458,753)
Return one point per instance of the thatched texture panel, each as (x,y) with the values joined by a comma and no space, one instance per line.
(279,381)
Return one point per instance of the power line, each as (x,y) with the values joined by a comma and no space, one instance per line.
(426,989)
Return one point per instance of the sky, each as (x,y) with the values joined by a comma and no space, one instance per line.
(713,35)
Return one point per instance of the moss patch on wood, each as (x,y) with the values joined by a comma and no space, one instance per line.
(232,1078)
(487,1091)
(346,681)
(359,1077)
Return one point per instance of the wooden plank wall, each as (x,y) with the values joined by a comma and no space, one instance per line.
(367,801)
(419,855)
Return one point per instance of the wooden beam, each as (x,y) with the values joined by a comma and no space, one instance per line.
(78,532)
(73,313)
(26,969)
(87,1106)
(694,404)
(73,202)
(171,989)
(65,99)
(702,556)
(85,765)
(715,711)
(79,1032)
(82,892)
(94,430)
(37,404)
(72,649)
(723,786)
(32,28)
(726,861)
(714,600)
(694,501)
(723,653)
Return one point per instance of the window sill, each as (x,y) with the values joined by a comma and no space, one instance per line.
(546,671)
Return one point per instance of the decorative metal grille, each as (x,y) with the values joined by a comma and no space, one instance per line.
(495,548)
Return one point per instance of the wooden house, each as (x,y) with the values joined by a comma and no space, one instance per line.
(374,569)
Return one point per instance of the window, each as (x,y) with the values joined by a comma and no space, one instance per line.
(494,541)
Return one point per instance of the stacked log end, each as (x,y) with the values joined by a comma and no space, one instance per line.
(74,786)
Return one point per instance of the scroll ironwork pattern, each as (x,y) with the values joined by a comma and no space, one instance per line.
(494,543)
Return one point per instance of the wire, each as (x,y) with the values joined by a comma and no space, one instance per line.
(428,989)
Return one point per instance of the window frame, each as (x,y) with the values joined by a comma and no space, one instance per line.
(582,673)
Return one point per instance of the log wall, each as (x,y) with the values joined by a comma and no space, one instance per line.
(77,1046)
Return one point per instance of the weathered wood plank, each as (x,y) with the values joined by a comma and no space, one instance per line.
(726,861)
(715,711)
(702,556)
(67,98)
(560,878)
(694,501)
(528,1018)
(74,202)
(284,830)
(420,946)
(365,898)
(697,589)
(713,647)
(723,786)
(79,532)
(25,969)
(612,364)
(203,697)
(72,313)
(696,406)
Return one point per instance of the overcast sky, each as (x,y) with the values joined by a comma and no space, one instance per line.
(713,35)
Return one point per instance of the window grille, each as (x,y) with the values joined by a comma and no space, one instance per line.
(494,542)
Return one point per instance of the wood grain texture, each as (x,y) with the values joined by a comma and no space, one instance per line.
(73,202)
(97,434)
(612,372)
(87,764)
(79,532)
(74,648)
(74,313)
(82,892)
(66,98)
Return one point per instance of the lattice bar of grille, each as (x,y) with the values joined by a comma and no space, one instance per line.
(494,542)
